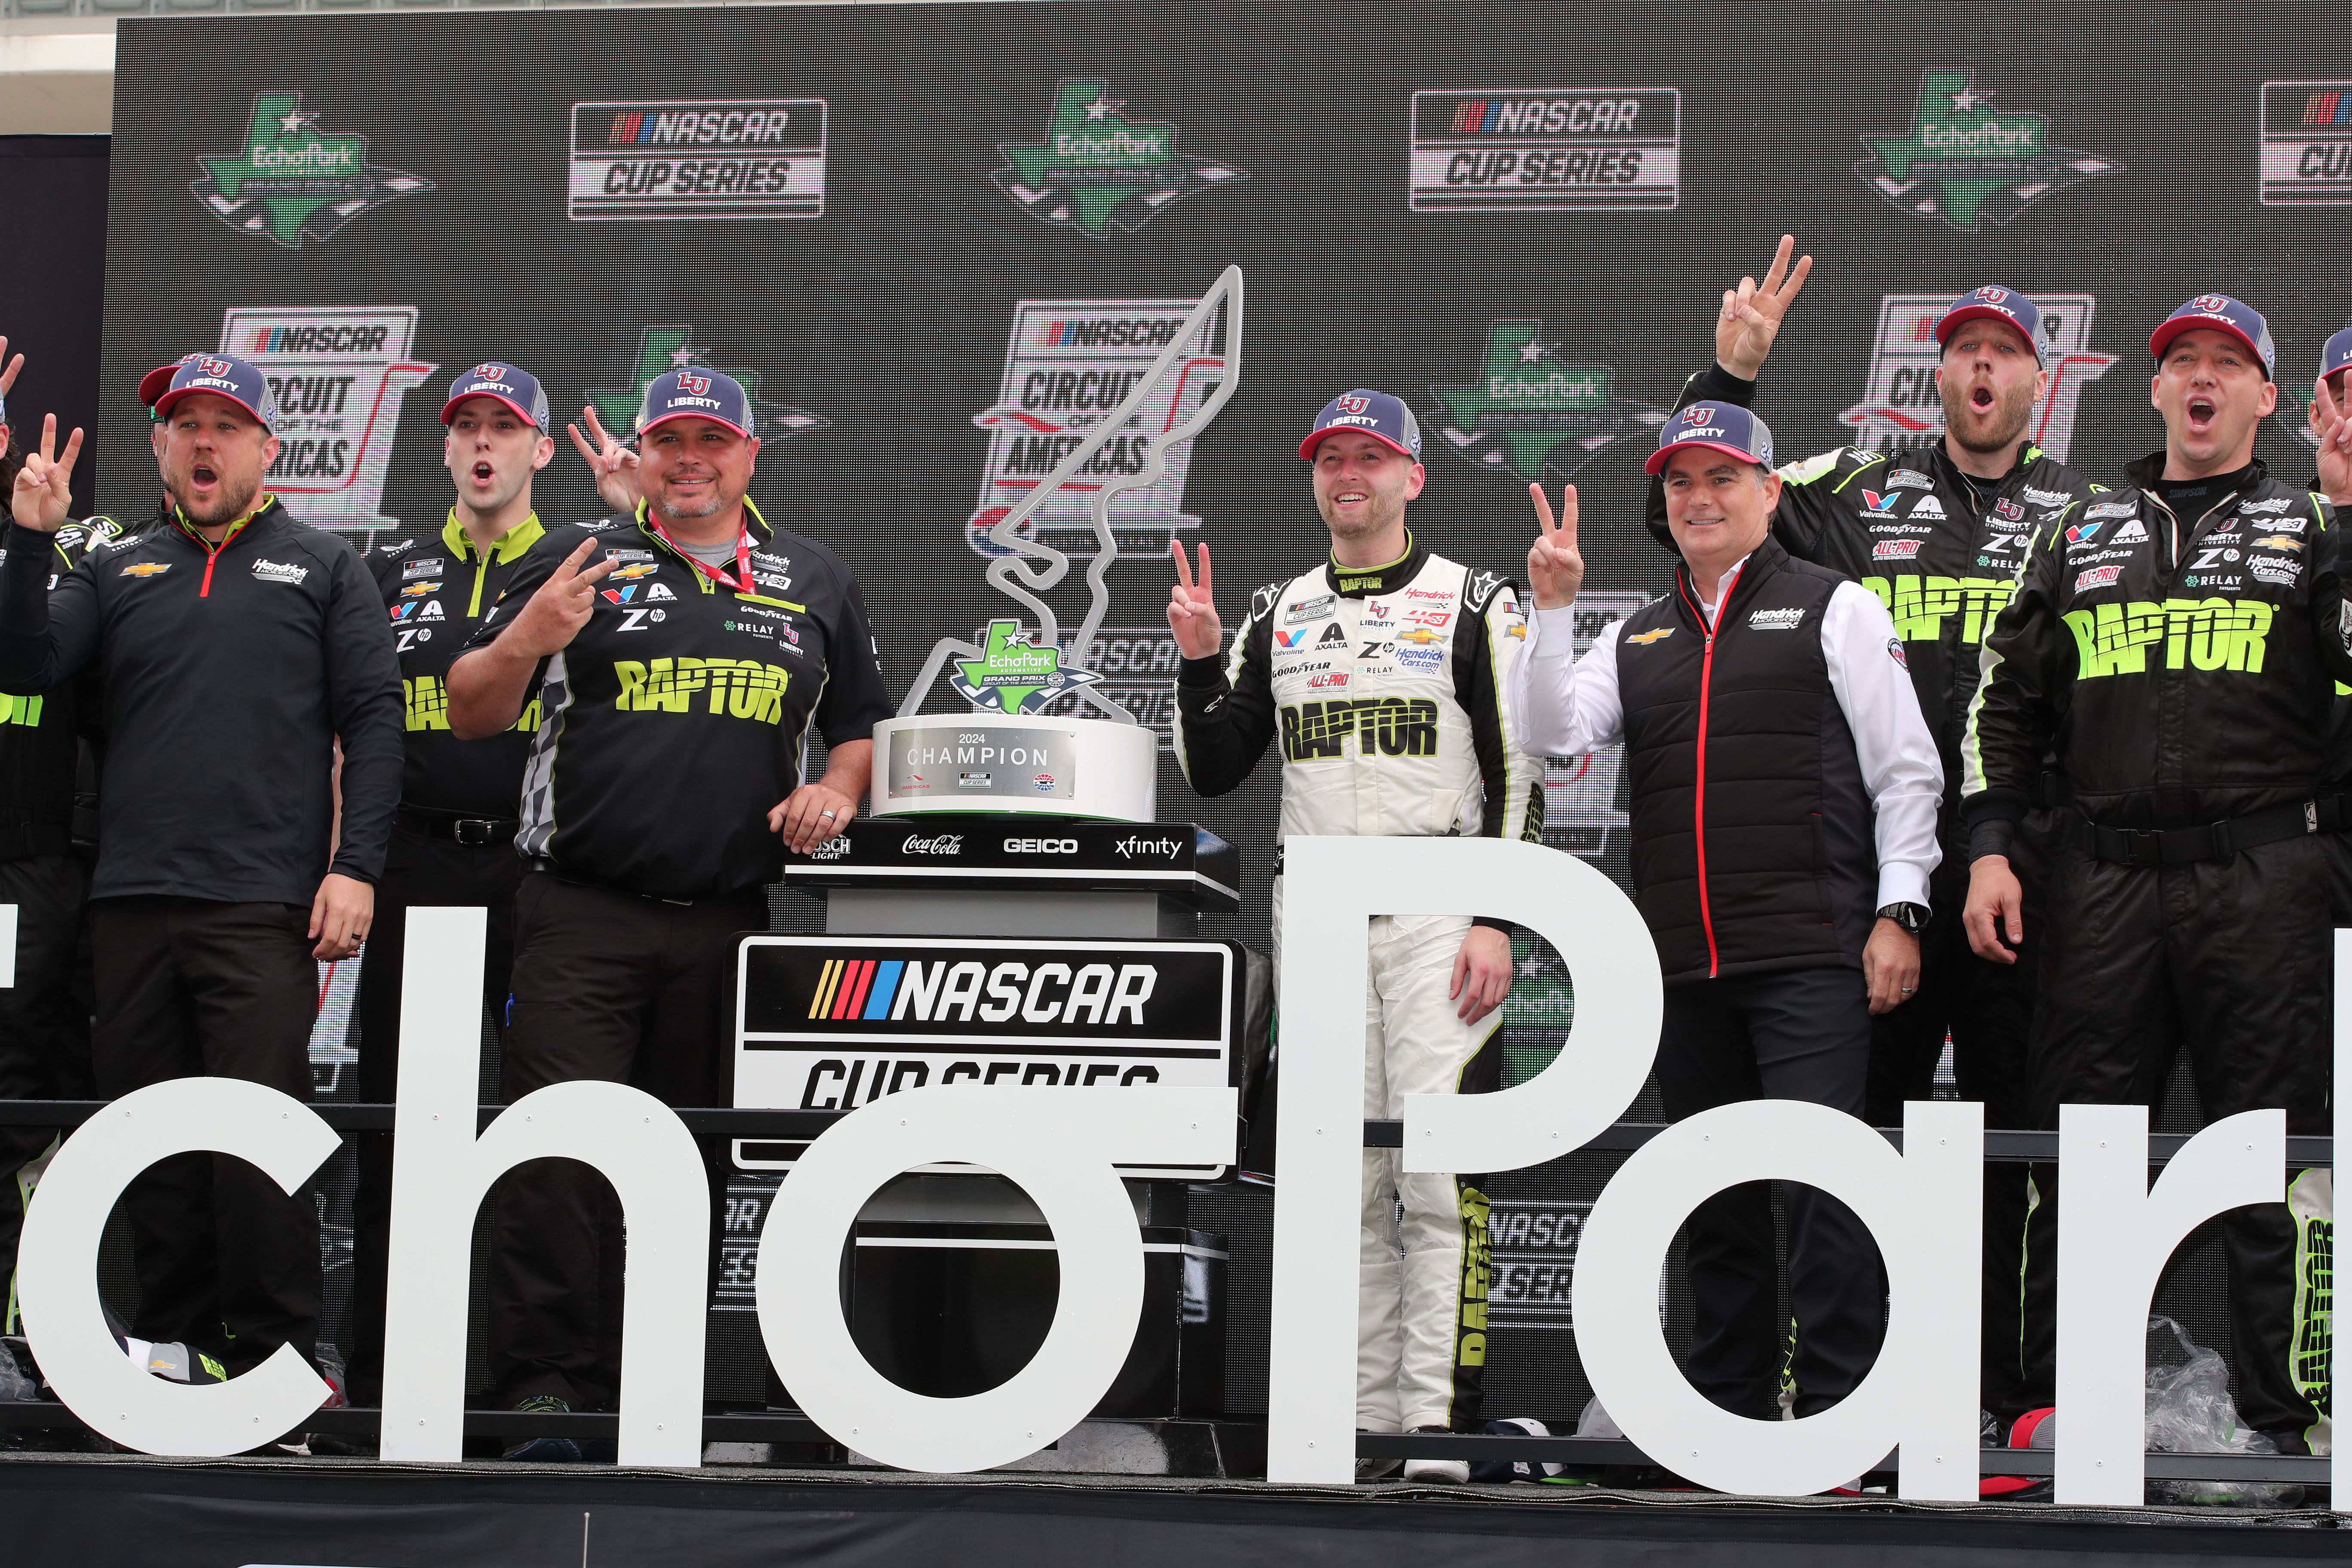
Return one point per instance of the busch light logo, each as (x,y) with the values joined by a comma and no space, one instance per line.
(690,382)
(1352,404)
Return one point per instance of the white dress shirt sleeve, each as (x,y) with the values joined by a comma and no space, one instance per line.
(1567,706)
(1899,764)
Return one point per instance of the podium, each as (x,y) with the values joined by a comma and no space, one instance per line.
(1007,947)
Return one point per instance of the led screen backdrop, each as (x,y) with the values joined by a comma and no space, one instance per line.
(933,239)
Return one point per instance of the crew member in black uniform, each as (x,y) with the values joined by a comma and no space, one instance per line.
(1937,534)
(234,648)
(678,677)
(2177,642)
(452,842)
(2329,416)
(44,1024)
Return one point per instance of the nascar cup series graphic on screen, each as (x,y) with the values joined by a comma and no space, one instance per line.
(1555,150)
(761,157)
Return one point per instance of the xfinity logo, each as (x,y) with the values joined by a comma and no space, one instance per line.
(944,844)
(1133,848)
(1041,847)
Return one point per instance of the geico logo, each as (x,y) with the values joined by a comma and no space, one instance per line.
(968,991)
(1041,847)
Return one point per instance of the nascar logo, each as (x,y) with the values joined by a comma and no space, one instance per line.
(879,990)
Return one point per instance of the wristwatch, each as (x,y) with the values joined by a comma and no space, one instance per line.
(1912,918)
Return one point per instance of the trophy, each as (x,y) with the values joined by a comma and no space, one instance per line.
(1008,755)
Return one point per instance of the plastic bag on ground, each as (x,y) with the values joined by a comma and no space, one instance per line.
(2190,1411)
(17,1386)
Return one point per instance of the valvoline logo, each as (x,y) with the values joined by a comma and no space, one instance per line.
(1291,639)
(1878,503)
(2084,533)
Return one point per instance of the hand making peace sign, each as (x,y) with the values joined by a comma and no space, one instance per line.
(614,465)
(1555,568)
(1750,318)
(43,494)
(1191,612)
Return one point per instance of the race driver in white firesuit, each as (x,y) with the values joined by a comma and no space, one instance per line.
(1385,670)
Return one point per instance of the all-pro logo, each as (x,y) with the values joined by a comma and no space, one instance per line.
(661,349)
(718,158)
(1964,162)
(1069,364)
(1096,170)
(1900,409)
(2307,143)
(291,181)
(339,377)
(1531,412)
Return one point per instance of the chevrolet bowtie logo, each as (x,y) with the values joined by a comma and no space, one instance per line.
(1652,637)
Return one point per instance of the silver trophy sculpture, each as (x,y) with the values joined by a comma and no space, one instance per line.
(1009,756)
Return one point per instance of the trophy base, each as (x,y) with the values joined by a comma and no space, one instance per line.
(979,762)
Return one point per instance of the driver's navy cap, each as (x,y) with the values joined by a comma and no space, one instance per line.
(697,392)
(2336,357)
(2220,313)
(225,376)
(510,384)
(1994,304)
(1721,426)
(1384,418)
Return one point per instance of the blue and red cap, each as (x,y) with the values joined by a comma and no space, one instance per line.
(1721,426)
(225,376)
(2336,357)
(511,385)
(695,392)
(1384,418)
(156,381)
(2220,313)
(1994,304)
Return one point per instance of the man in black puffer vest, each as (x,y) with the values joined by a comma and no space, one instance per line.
(1767,715)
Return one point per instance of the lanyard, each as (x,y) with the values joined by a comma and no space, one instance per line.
(741,583)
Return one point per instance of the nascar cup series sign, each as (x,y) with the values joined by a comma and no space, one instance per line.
(698,158)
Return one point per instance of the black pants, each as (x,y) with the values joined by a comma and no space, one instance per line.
(44,1022)
(1987,1010)
(1802,1034)
(188,988)
(417,872)
(2232,960)
(623,989)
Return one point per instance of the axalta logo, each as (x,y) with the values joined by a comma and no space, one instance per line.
(1068,364)
(746,158)
(1531,412)
(661,349)
(1098,171)
(292,181)
(1548,150)
(2306,144)
(339,377)
(1965,160)
(1901,409)
(942,844)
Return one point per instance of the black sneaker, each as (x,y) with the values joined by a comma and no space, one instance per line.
(545,1450)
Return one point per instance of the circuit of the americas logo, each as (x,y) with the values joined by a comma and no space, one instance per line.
(292,181)
(721,158)
(339,376)
(1098,171)
(1548,149)
(1967,163)
(1900,409)
(663,349)
(1068,364)
(2306,144)
(1531,412)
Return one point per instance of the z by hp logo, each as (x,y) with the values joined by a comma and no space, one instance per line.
(689,382)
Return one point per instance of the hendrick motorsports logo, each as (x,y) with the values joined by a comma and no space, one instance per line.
(1014,674)
(1964,160)
(292,181)
(1900,409)
(1097,170)
(702,158)
(664,349)
(339,377)
(2306,144)
(1547,149)
(1069,364)
(1531,412)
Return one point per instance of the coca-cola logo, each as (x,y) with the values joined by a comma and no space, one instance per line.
(941,844)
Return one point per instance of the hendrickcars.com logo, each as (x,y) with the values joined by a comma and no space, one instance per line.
(715,158)
(1547,149)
